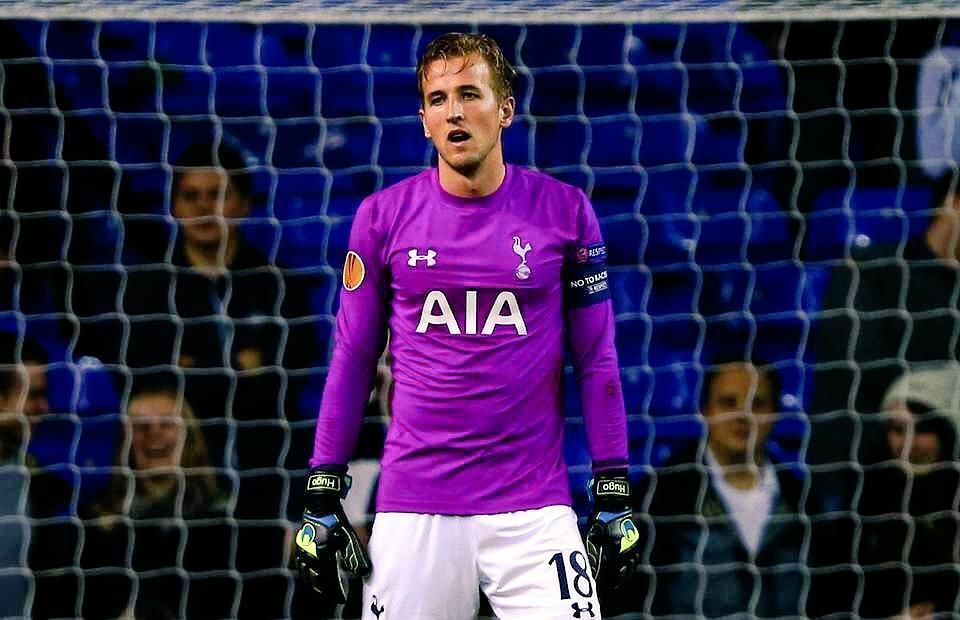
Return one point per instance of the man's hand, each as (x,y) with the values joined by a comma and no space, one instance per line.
(328,551)
(612,537)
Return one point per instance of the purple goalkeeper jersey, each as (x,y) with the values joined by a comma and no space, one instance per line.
(479,296)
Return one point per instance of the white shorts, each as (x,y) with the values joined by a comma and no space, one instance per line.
(531,565)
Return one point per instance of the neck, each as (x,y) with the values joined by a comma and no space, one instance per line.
(476,183)
(155,486)
(209,259)
(738,470)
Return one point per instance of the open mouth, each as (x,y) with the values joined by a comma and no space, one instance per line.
(458,135)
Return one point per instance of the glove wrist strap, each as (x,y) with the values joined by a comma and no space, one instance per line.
(611,492)
(326,487)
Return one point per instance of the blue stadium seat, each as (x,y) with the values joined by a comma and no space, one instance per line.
(549,45)
(179,43)
(34,136)
(187,90)
(516,142)
(631,339)
(139,140)
(16,74)
(625,237)
(664,140)
(778,288)
(72,84)
(616,191)
(637,385)
(660,90)
(251,137)
(297,144)
(655,43)
(395,93)
(760,232)
(231,44)
(334,85)
(32,33)
(132,88)
(239,92)
(391,45)
(671,240)
(885,215)
(556,92)
(124,40)
(95,239)
(719,140)
(299,194)
(613,142)
(607,91)
(92,185)
(675,395)
(262,233)
(349,143)
(764,88)
(349,189)
(337,239)
(706,42)
(726,289)
(668,191)
(781,339)
(560,143)
(301,243)
(712,88)
(149,185)
(629,288)
(337,45)
(403,144)
(675,291)
(284,45)
(292,94)
(183,133)
(507,35)
(71,40)
(674,340)
(602,44)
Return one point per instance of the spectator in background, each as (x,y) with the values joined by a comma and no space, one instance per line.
(163,513)
(725,532)
(909,504)
(221,311)
(886,308)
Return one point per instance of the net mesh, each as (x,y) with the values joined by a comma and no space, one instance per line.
(736,168)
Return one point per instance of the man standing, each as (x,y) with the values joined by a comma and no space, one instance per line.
(479,270)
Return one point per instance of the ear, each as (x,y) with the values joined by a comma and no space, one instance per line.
(507,111)
(423,121)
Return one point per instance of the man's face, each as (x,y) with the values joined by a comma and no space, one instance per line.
(919,450)
(740,412)
(206,204)
(461,113)
(158,433)
(22,405)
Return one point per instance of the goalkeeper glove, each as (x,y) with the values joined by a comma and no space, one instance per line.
(328,551)
(612,537)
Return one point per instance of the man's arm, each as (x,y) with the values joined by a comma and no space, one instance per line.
(358,342)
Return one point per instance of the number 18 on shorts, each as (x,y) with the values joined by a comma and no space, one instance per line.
(530,564)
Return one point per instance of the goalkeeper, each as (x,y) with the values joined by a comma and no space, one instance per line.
(480,271)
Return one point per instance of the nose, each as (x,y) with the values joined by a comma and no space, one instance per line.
(455,110)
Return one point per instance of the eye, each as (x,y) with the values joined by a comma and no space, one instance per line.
(470,95)
(436,100)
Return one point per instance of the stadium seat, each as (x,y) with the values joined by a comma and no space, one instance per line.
(186,132)
(71,84)
(608,91)
(613,142)
(299,194)
(296,144)
(301,242)
(675,395)
(616,192)
(602,44)
(391,45)
(712,88)
(187,90)
(34,136)
(333,85)
(625,236)
(349,143)
(763,89)
(86,138)
(395,93)
(665,140)
(660,90)
(670,240)
(675,339)
(124,41)
(239,92)
(284,45)
(402,144)
(25,85)
(251,137)
(179,43)
(675,291)
(349,189)
(549,45)
(338,45)
(556,92)
(516,143)
(70,40)
(560,143)
(629,288)
(231,44)
(292,93)
(719,140)
(654,43)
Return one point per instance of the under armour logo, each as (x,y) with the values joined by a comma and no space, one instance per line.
(377,608)
(415,257)
(577,610)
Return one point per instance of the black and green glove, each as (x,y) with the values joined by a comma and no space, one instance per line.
(328,551)
(612,536)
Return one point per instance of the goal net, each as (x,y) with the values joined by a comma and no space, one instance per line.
(766,176)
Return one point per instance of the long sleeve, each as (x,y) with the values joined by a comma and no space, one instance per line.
(358,341)
(590,334)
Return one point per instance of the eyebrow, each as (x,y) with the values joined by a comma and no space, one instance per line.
(461,88)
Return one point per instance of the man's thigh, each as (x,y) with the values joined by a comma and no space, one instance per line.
(533,565)
(424,568)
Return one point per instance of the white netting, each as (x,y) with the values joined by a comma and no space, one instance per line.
(732,165)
